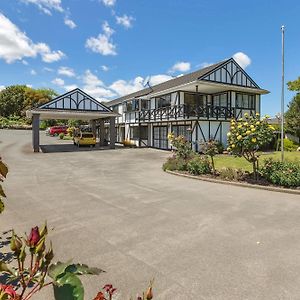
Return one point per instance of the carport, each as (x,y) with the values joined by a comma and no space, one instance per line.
(78,105)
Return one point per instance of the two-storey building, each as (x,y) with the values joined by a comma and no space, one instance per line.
(198,105)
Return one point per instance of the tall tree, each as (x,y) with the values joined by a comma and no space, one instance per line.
(292,115)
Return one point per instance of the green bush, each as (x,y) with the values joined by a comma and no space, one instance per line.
(61,135)
(220,147)
(231,174)
(286,174)
(175,163)
(199,165)
(288,145)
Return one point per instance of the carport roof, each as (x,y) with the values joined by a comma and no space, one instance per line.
(75,104)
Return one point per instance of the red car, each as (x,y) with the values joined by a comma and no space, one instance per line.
(56,130)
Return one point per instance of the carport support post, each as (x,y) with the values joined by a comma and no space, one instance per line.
(93,125)
(102,132)
(112,132)
(36,132)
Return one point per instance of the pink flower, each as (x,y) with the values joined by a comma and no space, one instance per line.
(7,290)
(34,237)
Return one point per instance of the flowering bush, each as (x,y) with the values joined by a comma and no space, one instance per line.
(34,270)
(182,146)
(211,148)
(281,173)
(231,174)
(199,165)
(246,136)
(3,174)
(175,163)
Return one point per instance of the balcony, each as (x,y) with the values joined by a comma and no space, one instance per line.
(185,112)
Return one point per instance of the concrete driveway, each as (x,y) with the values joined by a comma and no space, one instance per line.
(117,209)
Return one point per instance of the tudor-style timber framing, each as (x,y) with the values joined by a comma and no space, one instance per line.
(198,105)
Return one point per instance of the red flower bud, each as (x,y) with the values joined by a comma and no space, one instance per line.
(34,237)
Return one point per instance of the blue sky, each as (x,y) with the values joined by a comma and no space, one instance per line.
(110,47)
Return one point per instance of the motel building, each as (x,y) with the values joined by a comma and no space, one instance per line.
(198,106)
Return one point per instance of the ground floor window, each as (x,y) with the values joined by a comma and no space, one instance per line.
(160,137)
(184,130)
(139,132)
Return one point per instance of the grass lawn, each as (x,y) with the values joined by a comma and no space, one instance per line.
(224,160)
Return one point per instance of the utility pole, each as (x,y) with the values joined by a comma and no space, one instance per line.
(282,94)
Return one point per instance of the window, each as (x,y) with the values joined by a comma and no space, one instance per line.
(220,100)
(115,108)
(139,132)
(163,101)
(246,101)
(194,100)
(184,130)
(145,104)
(132,105)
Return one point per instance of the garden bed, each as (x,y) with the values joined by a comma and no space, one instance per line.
(248,182)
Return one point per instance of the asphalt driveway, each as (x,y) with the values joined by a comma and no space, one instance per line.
(117,209)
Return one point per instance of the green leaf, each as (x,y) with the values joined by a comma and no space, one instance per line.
(3,169)
(2,192)
(57,269)
(81,269)
(4,268)
(68,287)
(1,206)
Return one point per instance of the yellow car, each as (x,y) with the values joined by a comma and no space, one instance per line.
(85,138)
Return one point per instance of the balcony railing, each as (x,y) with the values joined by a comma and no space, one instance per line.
(185,111)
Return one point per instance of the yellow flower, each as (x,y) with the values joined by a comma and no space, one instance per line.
(240,126)
(251,126)
(271,127)
(246,115)
(257,123)
(228,134)
(237,134)
(253,129)
(248,132)
(246,123)
(253,140)
(240,119)
(257,114)
(228,149)
(239,137)
(233,146)
(232,128)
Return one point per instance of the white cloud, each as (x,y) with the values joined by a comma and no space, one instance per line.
(58,81)
(105,68)
(125,21)
(95,87)
(46,6)
(29,85)
(109,2)
(103,43)
(24,62)
(66,71)
(242,59)
(181,67)
(48,69)
(15,45)
(157,79)
(70,23)
(2,87)
(32,72)
(70,87)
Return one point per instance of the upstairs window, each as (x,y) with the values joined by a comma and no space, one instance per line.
(220,100)
(194,100)
(163,101)
(145,104)
(132,105)
(245,101)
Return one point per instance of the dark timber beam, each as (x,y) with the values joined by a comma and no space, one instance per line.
(36,132)
(112,130)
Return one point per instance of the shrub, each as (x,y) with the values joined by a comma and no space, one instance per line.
(210,148)
(288,145)
(199,165)
(61,135)
(3,174)
(246,136)
(182,145)
(175,163)
(231,174)
(286,174)
(220,147)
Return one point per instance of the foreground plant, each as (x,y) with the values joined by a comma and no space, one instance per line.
(182,146)
(211,148)
(3,174)
(247,136)
(34,270)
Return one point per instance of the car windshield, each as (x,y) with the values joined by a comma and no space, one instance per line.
(87,135)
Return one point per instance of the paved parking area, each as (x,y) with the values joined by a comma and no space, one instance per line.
(117,209)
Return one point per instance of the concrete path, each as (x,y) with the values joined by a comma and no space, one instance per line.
(117,209)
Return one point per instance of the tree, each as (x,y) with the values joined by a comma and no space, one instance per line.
(292,116)
(247,136)
(37,97)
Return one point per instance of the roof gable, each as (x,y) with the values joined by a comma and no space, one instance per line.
(75,100)
(230,73)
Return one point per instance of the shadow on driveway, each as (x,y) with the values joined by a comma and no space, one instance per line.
(72,148)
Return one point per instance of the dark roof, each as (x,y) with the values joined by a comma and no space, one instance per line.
(168,84)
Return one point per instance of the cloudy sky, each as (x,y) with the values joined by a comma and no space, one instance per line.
(113,47)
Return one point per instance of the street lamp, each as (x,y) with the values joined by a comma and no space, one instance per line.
(282,94)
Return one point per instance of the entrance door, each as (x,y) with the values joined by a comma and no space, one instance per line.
(160,137)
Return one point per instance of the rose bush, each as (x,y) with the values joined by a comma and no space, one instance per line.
(3,174)
(247,135)
(182,146)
